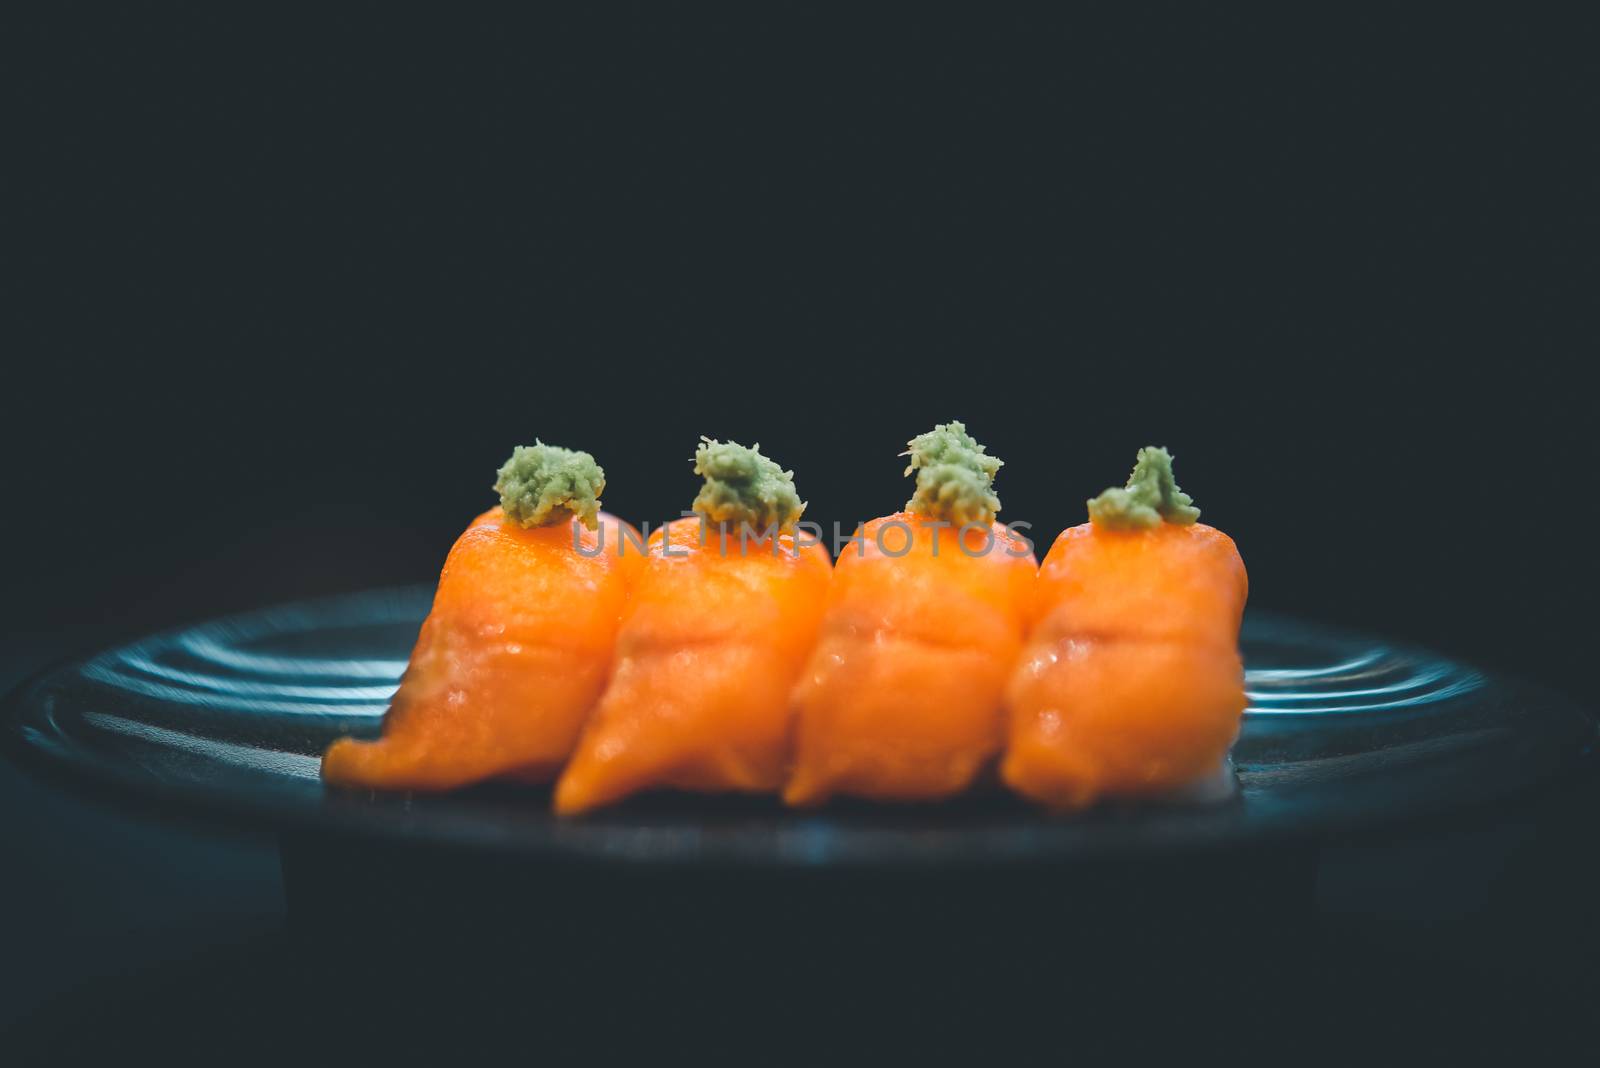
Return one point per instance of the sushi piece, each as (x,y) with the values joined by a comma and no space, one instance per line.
(902,698)
(722,616)
(1132,685)
(518,644)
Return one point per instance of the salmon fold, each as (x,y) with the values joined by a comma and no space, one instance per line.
(902,698)
(714,635)
(510,660)
(1131,685)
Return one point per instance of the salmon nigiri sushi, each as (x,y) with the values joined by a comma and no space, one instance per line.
(723,613)
(518,644)
(1131,685)
(902,699)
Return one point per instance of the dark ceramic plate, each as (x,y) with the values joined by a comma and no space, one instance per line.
(229,717)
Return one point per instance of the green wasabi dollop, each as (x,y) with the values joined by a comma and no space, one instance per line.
(1151,495)
(543,484)
(744,487)
(955,477)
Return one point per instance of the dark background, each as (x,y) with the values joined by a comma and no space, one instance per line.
(292,290)
(288,291)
